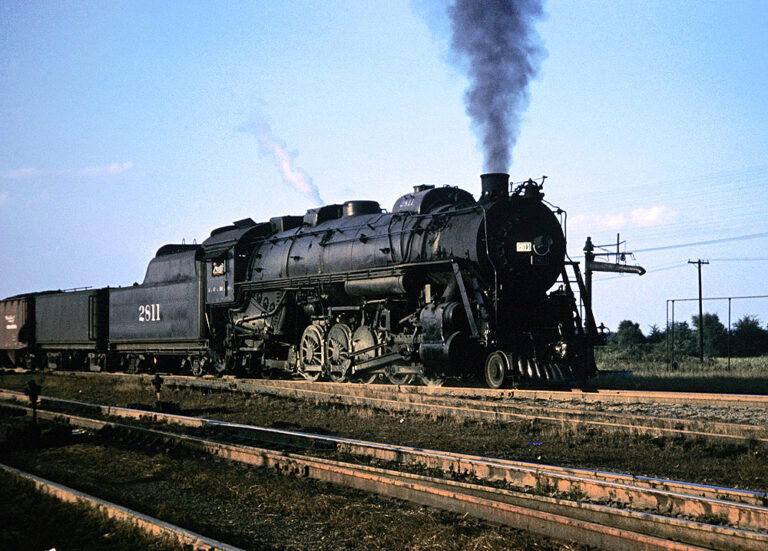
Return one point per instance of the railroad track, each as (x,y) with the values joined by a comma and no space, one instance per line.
(606,510)
(490,405)
(153,526)
(573,396)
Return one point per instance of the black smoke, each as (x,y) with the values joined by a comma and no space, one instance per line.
(502,51)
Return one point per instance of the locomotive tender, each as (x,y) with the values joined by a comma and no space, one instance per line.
(442,286)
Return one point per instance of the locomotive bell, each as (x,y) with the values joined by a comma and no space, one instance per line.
(495,186)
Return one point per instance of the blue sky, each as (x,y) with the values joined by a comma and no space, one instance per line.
(126,125)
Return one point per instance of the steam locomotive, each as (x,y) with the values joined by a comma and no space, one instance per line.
(442,286)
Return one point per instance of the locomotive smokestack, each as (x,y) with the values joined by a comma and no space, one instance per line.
(495,185)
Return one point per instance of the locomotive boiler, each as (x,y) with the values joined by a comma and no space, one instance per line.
(441,286)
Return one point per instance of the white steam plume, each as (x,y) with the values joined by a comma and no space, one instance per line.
(274,147)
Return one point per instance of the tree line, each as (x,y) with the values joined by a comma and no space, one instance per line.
(747,339)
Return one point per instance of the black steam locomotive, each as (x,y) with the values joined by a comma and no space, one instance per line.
(442,286)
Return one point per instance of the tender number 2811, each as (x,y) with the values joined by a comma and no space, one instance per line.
(149,312)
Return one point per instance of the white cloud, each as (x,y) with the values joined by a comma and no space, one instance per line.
(654,216)
(641,217)
(23,173)
(99,170)
(595,222)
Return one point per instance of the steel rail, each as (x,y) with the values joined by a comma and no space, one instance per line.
(381,397)
(150,525)
(470,409)
(602,526)
(575,395)
(741,508)
(535,412)
(568,413)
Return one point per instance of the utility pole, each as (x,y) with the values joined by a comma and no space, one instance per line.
(698,263)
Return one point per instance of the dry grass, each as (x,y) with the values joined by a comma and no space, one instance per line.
(33,521)
(258,508)
(738,465)
(684,374)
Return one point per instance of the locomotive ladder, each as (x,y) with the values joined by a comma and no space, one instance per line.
(591,327)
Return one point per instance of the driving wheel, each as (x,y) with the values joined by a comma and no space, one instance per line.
(338,344)
(311,354)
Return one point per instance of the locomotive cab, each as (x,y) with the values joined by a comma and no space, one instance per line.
(226,255)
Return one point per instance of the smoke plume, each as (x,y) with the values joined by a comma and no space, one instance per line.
(503,50)
(274,147)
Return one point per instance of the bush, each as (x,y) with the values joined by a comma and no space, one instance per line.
(748,339)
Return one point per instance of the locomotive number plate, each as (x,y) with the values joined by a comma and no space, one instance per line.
(524,246)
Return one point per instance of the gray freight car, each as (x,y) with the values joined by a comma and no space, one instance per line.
(71,329)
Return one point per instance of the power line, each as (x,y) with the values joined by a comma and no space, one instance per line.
(731,182)
(732,191)
(709,242)
(677,265)
(755,259)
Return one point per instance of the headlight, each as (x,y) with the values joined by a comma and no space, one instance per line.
(542,244)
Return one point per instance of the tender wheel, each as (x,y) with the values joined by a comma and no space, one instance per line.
(338,344)
(197,367)
(185,365)
(210,362)
(268,373)
(311,355)
(496,366)
(133,364)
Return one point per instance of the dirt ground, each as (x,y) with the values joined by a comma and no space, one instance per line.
(254,508)
(261,509)
(30,520)
(738,465)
